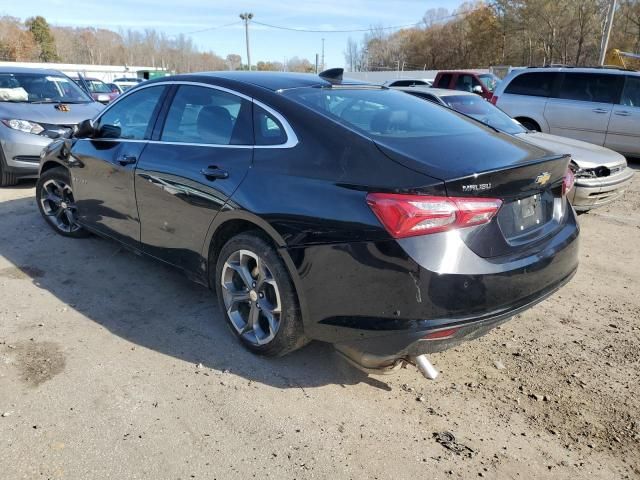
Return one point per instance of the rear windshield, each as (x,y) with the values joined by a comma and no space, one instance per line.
(384,113)
(483,111)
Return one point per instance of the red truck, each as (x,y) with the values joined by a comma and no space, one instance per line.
(481,83)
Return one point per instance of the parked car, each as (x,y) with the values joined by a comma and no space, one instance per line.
(36,106)
(596,105)
(322,209)
(99,90)
(125,83)
(483,84)
(115,88)
(601,175)
(409,82)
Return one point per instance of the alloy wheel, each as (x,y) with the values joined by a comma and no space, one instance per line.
(58,205)
(251,297)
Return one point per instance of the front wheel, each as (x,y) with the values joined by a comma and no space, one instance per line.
(57,204)
(257,296)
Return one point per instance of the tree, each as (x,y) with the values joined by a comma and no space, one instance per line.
(41,32)
(234,61)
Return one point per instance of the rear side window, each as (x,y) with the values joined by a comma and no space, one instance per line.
(267,129)
(444,81)
(208,116)
(590,87)
(536,84)
(631,93)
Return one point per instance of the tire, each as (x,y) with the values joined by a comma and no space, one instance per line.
(275,328)
(529,124)
(7,179)
(54,196)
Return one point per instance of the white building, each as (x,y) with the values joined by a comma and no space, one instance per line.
(104,72)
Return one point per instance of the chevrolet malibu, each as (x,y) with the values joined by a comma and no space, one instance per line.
(320,209)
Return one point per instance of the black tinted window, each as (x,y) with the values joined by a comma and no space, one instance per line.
(425,96)
(206,115)
(267,129)
(407,83)
(537,84)
(130,118)
(631,92)
(444,81)
(589,87)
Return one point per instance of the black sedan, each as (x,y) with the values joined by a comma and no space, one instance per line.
(322,209)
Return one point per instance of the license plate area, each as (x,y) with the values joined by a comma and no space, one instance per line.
(520,219)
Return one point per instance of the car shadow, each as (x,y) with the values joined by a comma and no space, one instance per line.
(151,304)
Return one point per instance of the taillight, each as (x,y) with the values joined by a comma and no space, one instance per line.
(410,215)
(494,99)
(568,181)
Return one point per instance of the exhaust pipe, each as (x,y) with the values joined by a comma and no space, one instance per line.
(425,366)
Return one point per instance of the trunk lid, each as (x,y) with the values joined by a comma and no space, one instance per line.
(526,178)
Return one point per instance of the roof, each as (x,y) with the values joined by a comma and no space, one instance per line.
(42,71)
(269,80)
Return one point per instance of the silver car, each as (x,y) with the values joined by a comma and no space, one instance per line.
(36,106)
(601,175)
(596,105)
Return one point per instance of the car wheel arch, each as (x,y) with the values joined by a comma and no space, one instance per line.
(228,224)
(528,120)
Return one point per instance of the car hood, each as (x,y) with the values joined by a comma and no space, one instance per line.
(48,113)
(585,155)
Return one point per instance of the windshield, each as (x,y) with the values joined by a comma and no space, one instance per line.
(489,80)
(478,108)
(383,113)
(39,88)
(98,86)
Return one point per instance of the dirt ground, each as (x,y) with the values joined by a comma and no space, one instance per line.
(113,366)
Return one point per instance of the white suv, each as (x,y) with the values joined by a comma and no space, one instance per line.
(597,105)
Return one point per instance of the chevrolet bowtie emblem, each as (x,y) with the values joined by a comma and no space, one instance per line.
(543,178)
(63,107)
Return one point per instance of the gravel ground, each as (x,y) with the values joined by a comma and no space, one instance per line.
(113,366)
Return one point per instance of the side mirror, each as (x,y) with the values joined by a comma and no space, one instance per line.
(477,89)
(85,129)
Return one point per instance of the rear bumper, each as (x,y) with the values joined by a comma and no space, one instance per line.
(596,192)
(384,297)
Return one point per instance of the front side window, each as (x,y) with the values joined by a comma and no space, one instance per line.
(631,93)
(208,116)
(589,87)
(466,83)
(489,80)
(130,118)
(537,84)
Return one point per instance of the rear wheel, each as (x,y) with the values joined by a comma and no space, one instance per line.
(7,179)
(256,294)
(529,124)
(57,204)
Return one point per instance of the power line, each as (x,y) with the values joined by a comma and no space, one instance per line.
(211,28)
(280,27)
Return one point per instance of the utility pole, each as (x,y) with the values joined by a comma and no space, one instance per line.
(323,69)
(316,63)
(246,17)
(607,33)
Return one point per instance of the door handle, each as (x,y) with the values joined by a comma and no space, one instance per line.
(127,159)
(623,113)
(213,173)
(600,110)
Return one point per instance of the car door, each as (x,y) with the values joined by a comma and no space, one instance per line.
(103,175)
(581,106)
(623,134)
(196,160)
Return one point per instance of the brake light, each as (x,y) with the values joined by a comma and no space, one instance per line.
(494,99)
(410,215)
(568,181)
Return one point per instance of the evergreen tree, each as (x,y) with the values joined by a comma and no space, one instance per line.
(41,32)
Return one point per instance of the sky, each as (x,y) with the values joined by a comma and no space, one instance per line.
(186,16)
